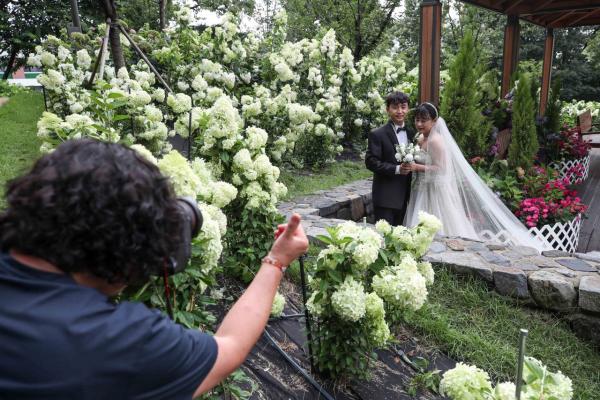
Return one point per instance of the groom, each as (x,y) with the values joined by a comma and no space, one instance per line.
(391,186)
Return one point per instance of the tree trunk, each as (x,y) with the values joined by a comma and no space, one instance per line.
(11,62)
(114,38)
(162,7)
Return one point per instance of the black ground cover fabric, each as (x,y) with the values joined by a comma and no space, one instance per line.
(277,379)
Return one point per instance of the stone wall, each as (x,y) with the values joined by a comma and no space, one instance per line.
(556,281)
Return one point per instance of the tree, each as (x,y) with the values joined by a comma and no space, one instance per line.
(461,100)
(524,141)
(406,33)
(360,25)
(114,37)
(23,23)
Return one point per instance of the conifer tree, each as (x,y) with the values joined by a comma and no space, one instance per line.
(461,100)
(524,141)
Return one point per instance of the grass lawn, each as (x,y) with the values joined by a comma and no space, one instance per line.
(301,183)
(18,140)
(471,324)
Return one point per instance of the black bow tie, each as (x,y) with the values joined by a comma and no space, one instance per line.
(401,130)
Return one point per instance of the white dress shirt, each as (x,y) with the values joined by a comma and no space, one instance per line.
(402,138)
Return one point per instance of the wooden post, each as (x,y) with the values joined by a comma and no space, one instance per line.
(511,52)
(429,51)
(547,69)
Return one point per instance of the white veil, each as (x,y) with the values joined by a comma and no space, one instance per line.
(486,216)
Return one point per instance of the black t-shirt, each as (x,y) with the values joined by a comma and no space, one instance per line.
(61,340)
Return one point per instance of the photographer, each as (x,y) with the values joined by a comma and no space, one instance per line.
(89,219)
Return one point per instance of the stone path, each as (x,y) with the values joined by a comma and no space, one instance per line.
(554,280)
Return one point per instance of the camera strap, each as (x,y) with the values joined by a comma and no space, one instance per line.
(167,289)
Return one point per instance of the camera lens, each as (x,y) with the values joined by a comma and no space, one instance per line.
(191,214)
(192,223)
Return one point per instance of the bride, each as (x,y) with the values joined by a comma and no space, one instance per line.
(447,187)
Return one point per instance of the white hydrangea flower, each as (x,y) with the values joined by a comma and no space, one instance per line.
(314,307)
(426,270)
(466,382)
(278,305)
(223,193)
(49,123)
(179,102)
(284,72)
(430,222)
(383,227)
(374,306)
(83,59)
(139,98)
(401,287)
(358,122)
(505,391)
(182,176)
(144,152)
(349,300)
(63,53)
(153,113)
(34,60)
(256,138)
(380,333)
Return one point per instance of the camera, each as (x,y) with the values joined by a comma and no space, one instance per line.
(192,223)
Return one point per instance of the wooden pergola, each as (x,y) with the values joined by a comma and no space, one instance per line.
(550,14)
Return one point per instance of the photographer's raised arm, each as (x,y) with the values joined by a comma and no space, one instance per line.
(244,323)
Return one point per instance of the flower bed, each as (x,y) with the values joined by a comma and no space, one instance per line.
(540,199)
(570,155)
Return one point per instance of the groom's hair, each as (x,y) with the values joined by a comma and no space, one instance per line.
(395,98)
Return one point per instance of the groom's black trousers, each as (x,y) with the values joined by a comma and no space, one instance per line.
(393,216)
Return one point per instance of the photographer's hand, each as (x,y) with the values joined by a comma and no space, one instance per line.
(245,322)
(290,241)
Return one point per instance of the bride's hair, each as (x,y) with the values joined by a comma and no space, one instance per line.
(426,111)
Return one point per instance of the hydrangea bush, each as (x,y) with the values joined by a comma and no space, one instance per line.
(467,382)
(360,283)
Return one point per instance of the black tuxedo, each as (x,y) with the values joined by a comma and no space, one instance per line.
(391,191)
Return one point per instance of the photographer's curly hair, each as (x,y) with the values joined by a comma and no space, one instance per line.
(93,207)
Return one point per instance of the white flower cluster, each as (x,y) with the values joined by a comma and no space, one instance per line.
(416,241)
(278,305)
(402,285)
(466,382)
(379,329)
(408,153)
(349,300)
(543,384)
(365,245)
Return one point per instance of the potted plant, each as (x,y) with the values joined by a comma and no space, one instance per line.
(570,155)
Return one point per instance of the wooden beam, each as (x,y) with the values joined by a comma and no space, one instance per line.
(430,51)
(509,10)
(511,52)
(547,70)
(584,16)
(558,6)
(554,22)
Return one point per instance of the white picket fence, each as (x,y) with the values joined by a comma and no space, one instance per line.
(562,236)
(564,166)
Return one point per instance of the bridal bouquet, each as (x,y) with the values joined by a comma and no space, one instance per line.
(407,153)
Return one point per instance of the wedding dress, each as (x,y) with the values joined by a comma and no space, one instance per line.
(452,191)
